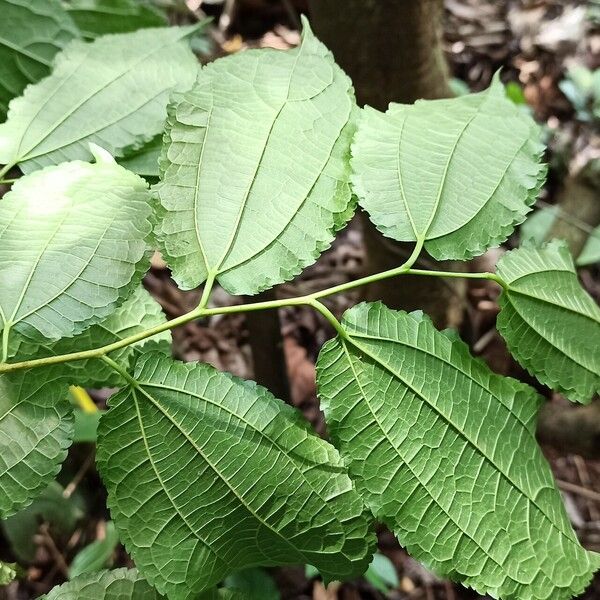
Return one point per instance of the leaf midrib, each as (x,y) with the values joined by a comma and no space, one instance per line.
(220,475)
(462,434)
(407,463)
(94,92)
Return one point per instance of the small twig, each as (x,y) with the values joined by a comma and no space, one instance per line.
(59,559)
(87,463)
(567,486)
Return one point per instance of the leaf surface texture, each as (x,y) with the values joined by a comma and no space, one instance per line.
(254,169)
(550,324)
(36,428)
(229,476)
(443,451)
(31,33)
(118,584)
(73,246)
(458,174)
(113,92)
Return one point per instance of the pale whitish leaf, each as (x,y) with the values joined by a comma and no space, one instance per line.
(208,474)
(112,92)
(538,225)
(458,174)
(255,174)
(138,313)
(72,247)
(119,584)
(98,17)
(443,451)
(550,324)
(36,428)
(31,33)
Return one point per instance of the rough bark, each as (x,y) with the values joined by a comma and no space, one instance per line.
(391,50)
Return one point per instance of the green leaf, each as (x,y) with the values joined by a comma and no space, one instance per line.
(98,17)
(381,573)
(138,313)
(254,584)
(550,324)
(8,572)
(208,474)
(36,428)
(112,92)
(72,247)
(443,451)
(254,169)
(119,584)
(51,507)
(96,555)
(85,426)
(31,33)
(457,174)
(538,225)
(144,161)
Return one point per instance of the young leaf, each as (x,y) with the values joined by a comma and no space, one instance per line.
(84,252)
(96,555)
(8,572)
(444,452)
(458,174)
(36,428)
(208,474)
(538,225)
(254,169)
(112,92)
(49,507)
(31,33)
(254,584)
(119,584)
(138,313)
(550,324)
(98,17)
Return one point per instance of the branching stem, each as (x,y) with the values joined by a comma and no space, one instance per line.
(202,311)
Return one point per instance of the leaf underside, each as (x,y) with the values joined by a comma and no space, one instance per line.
(254,169)
(31,33)
(36,428)
(550,324)
(138,313)
(458,174)
(84,252)
(112,92)
(99,17)
(443,451)
(118,584)
(218,468)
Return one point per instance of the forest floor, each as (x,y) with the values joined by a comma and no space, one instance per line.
(535,43)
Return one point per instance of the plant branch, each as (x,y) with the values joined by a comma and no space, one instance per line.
(201,311)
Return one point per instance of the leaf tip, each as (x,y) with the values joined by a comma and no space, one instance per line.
(101,155)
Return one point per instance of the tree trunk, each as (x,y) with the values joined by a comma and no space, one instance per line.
(391,49)
(266,343)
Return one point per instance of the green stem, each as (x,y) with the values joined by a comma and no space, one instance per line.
(8,181)
(201,311)
(120,370)
(457,274)
(5,334)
